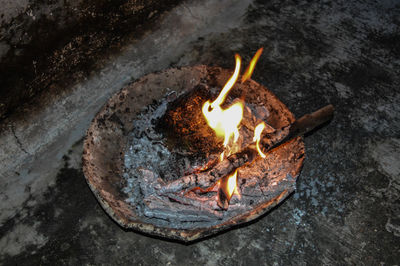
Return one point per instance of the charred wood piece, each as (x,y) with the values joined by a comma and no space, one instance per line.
(165,209)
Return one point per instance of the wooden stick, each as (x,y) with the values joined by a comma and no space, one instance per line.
(299,127)
(206,179)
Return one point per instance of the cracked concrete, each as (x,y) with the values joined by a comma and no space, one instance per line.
(21,146)
(346,208)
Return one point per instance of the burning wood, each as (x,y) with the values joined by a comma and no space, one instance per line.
(227,186)
(270,141)
(198,160)
(225,123)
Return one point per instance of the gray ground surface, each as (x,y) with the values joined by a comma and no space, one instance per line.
(347,206)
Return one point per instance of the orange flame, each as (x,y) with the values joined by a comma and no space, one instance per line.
(221,156)
(232,184)
(257,136)
(252,65)
(225,122)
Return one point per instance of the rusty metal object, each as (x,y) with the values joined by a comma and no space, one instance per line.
(107,136)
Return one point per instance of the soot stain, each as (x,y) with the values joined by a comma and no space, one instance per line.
(50,52)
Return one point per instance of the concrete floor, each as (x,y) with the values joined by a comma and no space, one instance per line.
(347,206)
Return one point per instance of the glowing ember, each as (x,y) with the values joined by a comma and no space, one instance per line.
(257,136)
(225,122)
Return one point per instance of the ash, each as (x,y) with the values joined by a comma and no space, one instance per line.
(144,151)
(147,158)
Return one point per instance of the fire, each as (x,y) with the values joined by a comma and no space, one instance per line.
(227,187)
(221,156)
(257,136)
(225,122)
(232,184)
(252,65)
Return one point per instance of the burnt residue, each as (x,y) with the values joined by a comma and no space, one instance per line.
(184,124)
(53,45)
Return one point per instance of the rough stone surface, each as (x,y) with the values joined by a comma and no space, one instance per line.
(346,208)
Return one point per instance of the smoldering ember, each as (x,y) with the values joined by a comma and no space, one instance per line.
(201,158)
